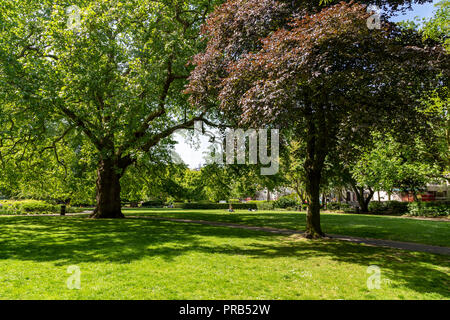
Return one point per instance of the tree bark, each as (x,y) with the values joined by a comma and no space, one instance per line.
(363,203)
(108,190)
(313,228)
(316,152)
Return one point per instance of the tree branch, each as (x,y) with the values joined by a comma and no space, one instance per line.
(82,124)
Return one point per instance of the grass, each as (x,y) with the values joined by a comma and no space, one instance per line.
(369,226)
(148,259)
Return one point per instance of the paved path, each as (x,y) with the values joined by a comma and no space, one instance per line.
(367,241)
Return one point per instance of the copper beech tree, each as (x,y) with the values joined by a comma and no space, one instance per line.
(320,73)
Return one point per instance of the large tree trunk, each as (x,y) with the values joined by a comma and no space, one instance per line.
(108,190)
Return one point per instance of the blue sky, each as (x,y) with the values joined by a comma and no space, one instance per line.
(423,11)
(194,156)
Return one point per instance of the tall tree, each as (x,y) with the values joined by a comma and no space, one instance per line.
(325,74)
(108,70)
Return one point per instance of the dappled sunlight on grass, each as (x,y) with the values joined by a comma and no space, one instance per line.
(147,259)
(369,226)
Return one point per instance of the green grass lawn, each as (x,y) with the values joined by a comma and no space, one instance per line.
(148,259)
(369,226)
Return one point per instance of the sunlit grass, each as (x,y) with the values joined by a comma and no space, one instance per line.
(147,259)
(369,226)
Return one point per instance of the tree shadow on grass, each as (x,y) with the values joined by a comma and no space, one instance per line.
(382,227)
(71,240)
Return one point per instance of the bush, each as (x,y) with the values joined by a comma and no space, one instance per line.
(71,209)
(197,205)
(347,208)
(388,207)
(285,202)
(262,204)
(429,209)
(338,206)
(27,207)
(153,204)
(259,205)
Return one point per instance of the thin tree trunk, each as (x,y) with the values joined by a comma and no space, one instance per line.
(313,228)
(363,202)
(316,151)
(108,190)
(300,194)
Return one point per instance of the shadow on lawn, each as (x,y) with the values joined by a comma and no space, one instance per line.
(381,227)
(73,240)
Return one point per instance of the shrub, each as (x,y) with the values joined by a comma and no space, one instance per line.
(71,209)
(27,207)
(285,202)
(259,205)
(347,208)
(333,206)
(212,205)
(388,207)
(338,206)
(153,204)
(429,209)
(262,204)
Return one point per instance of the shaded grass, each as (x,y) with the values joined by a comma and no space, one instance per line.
(147,259)
(360,225)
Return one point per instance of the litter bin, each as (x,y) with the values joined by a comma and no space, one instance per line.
(63,210)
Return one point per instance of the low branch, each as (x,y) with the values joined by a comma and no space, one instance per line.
(156,138)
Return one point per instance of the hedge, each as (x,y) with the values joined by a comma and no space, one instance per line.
(12,207)
(252,204)
(429,209)
(388,207)
(262,204)
(338,206)
(153,204)
(196,205)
